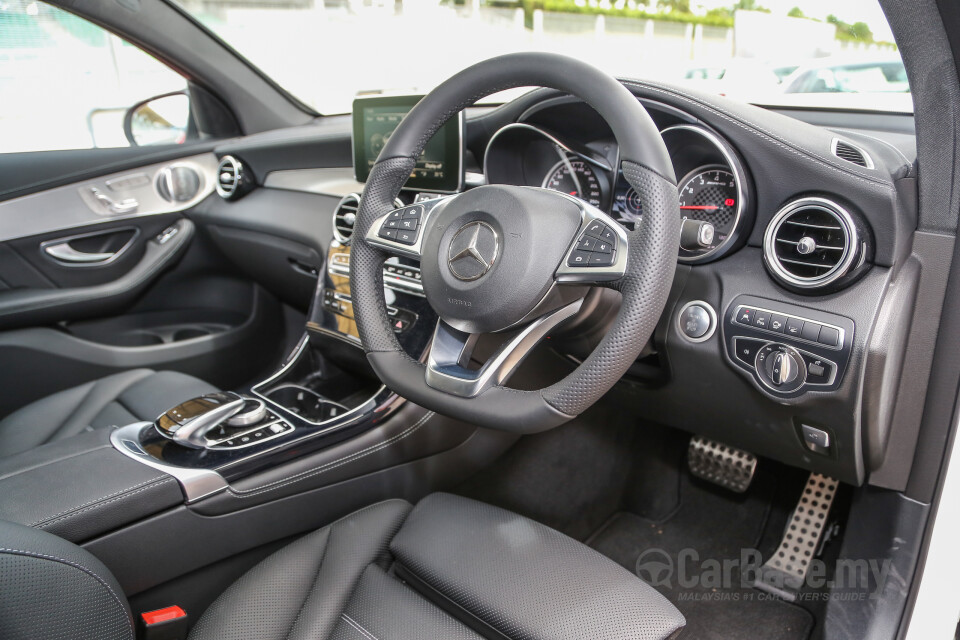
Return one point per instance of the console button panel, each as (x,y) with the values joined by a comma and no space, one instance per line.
(788,350)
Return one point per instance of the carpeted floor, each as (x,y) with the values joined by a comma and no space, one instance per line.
(711,525)
(623,488)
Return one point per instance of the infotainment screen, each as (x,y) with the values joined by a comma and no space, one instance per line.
(439,167)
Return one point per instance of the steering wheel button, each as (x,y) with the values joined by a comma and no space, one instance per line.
(603,246)
(595,229)
(609,236)
(587,244)
(410,224)
(406,237)
(396,215)
(389,234)
(413,213)
(392,224)
(601,259)
(579,259)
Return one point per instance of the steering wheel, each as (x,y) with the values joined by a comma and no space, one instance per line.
(512,259)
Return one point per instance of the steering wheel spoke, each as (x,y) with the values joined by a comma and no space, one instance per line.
(451,351)
(598,252)
(514,262)
(401,231)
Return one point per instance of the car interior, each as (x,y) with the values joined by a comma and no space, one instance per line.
(612,358)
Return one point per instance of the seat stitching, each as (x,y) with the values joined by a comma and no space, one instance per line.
(303,603)
(90,572)
(359,627)
(760,132)
(277,484)
(110,495)
(4,476)
(47,523)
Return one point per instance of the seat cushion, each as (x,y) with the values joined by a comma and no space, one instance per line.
(117,400)
(54,589)
(449,568)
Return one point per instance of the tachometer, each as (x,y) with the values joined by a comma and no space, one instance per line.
(711,195)
(574,176)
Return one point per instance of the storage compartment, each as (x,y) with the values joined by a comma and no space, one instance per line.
(157,327)
(315,389)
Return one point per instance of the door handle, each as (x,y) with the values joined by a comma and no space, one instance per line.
(129,205)
(63,252)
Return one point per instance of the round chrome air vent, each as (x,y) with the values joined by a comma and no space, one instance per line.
(229,177)
(811,243)
(178,183)
(345,216)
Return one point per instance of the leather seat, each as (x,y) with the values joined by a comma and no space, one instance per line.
(116,400)
(449,568)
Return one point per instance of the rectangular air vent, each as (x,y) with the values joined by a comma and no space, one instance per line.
(850,153)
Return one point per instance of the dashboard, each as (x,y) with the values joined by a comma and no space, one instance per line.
(792,303)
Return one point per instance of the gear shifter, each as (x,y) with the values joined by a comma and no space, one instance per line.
(189,422)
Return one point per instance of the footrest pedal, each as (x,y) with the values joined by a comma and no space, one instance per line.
(721,464)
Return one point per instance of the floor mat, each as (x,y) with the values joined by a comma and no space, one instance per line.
(683,556)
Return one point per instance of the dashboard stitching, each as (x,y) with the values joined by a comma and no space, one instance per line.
(759,132)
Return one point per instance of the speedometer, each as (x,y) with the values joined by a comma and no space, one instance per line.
(574,176)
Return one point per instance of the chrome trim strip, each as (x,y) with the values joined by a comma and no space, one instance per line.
(732,167)
(408,250)
(450,347)
(342,239)
(710,312)
(602,164)
(344,417)
(60,251)
(196,483)
(74,207)
(336,182)
(846,260)
(589,213)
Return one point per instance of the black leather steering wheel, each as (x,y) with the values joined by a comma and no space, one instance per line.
(506,258)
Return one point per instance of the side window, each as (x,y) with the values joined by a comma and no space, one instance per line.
(69,84)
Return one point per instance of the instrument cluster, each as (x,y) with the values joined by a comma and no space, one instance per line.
(712,183)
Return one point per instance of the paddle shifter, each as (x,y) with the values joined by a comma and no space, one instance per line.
(189,423)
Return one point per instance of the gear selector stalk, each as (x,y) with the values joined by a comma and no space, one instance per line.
(189,422)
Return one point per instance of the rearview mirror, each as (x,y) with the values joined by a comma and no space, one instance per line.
(160,120)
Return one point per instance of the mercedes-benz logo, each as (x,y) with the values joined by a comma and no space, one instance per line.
(473,251)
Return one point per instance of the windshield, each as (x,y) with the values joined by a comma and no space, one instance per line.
(817,53)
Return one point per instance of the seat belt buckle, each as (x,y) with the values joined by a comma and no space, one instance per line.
(169,623)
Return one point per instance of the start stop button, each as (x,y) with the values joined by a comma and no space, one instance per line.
(697,321)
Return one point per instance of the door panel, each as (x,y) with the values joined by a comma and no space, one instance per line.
(85,291)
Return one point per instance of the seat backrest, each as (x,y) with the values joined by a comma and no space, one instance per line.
(50,588)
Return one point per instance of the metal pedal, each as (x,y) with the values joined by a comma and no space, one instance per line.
(784,573)
(721,464)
